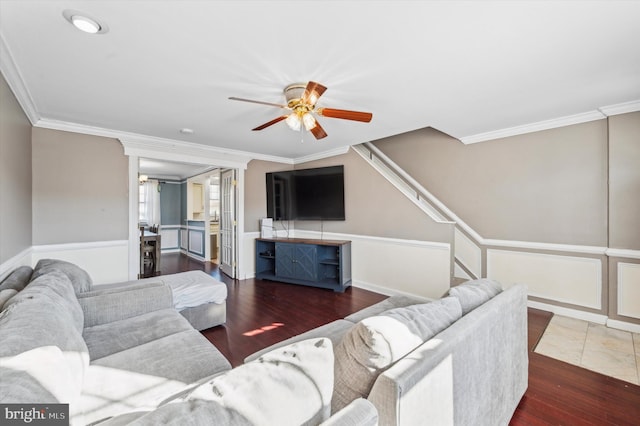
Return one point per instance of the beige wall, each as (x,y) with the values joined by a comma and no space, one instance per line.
(373,207)
(79,188)
(624,181)
(548,186)
(15,176)
(255,192)
(396,247)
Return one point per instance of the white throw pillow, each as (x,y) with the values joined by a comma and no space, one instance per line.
(291,385)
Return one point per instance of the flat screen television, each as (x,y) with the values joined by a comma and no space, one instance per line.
(306,194)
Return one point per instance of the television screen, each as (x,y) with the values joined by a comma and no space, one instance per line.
(306,194)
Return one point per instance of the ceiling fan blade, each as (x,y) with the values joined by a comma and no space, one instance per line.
(318,131)
(312,92)
(345,114)
(233,98)
(270,123)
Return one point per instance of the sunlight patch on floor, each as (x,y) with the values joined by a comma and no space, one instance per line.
(261,330)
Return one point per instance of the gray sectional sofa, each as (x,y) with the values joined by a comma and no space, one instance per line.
(471,371)
(105,352)
(124,355)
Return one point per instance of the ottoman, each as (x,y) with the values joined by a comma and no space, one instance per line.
(199,297)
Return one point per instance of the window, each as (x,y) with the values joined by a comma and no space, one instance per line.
(214,198)
(142,205)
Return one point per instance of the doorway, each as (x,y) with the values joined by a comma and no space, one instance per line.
(197,235)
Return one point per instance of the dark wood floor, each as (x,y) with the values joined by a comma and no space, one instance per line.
(260,313)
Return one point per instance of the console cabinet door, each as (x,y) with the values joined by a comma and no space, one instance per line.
(306,262)
(285,256)
(297,261)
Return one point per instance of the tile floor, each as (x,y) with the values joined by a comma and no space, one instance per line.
(608,351)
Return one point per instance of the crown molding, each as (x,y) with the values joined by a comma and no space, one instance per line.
(162,148)
(626,107)
(534,127)
(13,77)
(320,155)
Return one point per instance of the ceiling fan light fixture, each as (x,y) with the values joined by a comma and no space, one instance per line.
(301,101)
(293,121)
(308,120)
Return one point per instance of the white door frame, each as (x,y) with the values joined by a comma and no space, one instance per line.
(228,223)
(204,155)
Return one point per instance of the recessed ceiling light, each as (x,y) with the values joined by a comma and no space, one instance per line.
(186,131)
(84,22)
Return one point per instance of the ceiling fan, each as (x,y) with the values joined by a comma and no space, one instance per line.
(301,101)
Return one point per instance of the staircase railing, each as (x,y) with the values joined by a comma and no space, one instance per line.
(467,247)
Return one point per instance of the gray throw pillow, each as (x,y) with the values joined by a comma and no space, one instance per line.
(5,296)
(375,343)
(79,277)
(18,279)
(475,292)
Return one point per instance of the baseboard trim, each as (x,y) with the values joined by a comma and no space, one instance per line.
(568,312)
(623,325)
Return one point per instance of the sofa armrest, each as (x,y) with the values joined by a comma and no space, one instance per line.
(359,412)
(108,305)
(474,372)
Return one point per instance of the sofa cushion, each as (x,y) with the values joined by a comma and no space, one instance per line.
(116,336)
(58,290)
(40,375)
(17,279)
(392,302)
(474,293)
(102,307)
(142,377)
(375,343)
(5,296)
(332,331)
(291,385)
(40,318)
(79,277)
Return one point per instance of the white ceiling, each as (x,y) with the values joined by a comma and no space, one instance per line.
(465,68)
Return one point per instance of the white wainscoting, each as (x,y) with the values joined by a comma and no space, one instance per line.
(629,289)
(385,265)
(170,238)
(196,242)
(402,266)
(568,279)
(468,253)
(184,239)
(105,261)
(248,255)
(21,259)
